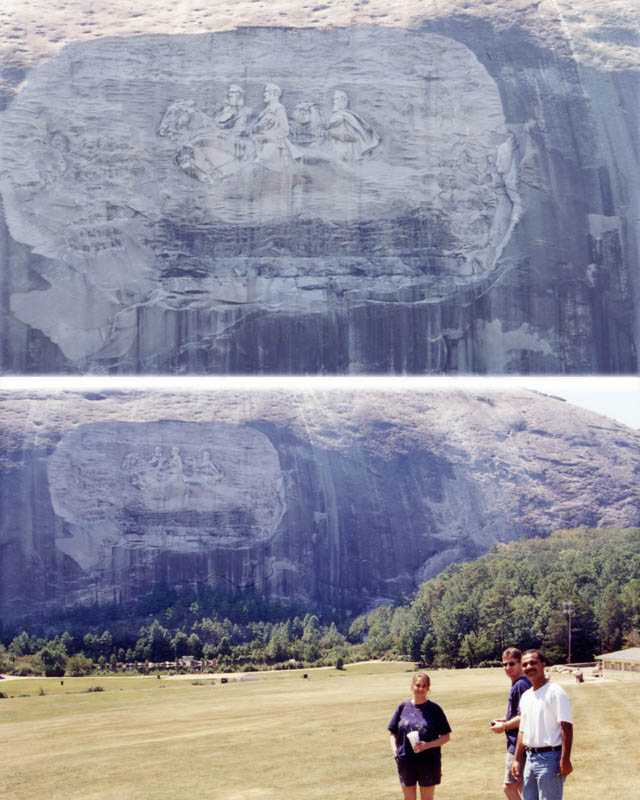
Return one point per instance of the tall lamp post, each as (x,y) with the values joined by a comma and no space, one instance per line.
(567,608)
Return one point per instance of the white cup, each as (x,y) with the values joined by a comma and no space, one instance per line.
(414,738)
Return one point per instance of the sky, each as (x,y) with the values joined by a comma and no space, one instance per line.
(615,397)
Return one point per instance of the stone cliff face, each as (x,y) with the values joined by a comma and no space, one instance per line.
(456,197)
(334,498)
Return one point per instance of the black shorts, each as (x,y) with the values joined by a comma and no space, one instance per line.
(414,771)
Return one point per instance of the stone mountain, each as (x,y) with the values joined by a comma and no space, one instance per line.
(457,196)
(336,498)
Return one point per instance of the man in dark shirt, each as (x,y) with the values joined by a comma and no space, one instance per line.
(511,661)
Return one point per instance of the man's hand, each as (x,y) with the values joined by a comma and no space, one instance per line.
(497,726)
(515,771)
(565,767)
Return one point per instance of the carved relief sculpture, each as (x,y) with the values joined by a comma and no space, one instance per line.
(271,130)
(221,143)
(342,185)
(111,487)
(308,126)
(349,135)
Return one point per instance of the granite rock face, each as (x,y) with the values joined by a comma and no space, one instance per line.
(448,199)
(337,498)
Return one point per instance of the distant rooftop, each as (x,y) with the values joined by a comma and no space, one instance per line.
(630,654)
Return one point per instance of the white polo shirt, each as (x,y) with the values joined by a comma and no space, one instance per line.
(541,712)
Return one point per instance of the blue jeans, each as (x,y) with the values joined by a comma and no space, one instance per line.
(542,780)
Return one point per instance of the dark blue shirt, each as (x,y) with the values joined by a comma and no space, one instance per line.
(430,722)
(518,688)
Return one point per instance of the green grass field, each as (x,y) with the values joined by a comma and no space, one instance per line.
(282,737)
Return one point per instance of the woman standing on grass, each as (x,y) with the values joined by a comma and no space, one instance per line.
(424,722)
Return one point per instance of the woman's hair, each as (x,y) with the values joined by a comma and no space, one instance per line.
(424,675)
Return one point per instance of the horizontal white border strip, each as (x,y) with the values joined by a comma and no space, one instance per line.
(616,397)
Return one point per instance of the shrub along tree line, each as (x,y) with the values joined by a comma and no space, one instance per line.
(464,617)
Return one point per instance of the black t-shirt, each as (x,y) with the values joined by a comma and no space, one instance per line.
(430,722)
(518,688)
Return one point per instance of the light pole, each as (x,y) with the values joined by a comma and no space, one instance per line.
(567,608)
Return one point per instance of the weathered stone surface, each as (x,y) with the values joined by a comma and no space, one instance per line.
(447,199)
(334,498)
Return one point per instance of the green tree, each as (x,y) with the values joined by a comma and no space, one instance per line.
(159,643)
(632,639)
(278,647)
(311,632)
(556,639)
(154,644)
(54,660)
(66,640)
(401,629)
(358,630)
(4,659)
(611,621)
(224,648)
(91,644)
(22,645)
(584,629)
(452,621)
(194,645)
(496,615)
(476,647)
(312,652)
(79,664)
(428,649)
(380,639)
(523,630)
(105,644)
(332,638)
(630,602)
(180,644)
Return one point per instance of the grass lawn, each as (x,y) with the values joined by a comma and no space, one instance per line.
(281,737)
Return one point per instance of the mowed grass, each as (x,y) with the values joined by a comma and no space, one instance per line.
(282,737)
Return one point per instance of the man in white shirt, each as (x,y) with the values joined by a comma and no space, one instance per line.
(546,733)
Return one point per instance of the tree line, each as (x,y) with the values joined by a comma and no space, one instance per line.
(515,595)
(464,617)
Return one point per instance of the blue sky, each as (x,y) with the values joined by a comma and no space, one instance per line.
(618,398)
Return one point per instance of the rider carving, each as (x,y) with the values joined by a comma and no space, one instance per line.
(350,136)
(271,129)
(213,148)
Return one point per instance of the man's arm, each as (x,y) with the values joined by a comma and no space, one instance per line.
(517,759)
(565,756)
(502,725)
(394,744)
